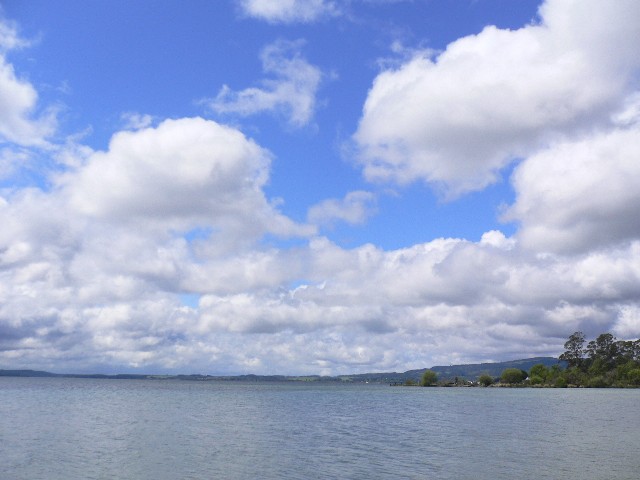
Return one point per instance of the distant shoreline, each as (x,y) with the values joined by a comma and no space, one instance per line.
(469,372)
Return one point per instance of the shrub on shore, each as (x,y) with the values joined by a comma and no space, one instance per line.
(429,378)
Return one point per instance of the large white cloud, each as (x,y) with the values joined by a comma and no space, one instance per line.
(184,174)
(580,194)
(456,119)
(96,297)
(448,300)
(292,92)
(98,263)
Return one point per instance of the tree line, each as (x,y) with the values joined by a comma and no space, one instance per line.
(602,362)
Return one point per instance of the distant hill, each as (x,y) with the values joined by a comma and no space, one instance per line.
(474,370)
(37,373)
(467,372)
(25,373)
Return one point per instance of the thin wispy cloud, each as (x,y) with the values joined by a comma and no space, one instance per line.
(290,11)
(291,92)
(354,209)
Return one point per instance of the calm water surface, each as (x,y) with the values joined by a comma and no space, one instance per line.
(53,428)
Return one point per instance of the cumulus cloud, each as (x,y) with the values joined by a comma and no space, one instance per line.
(456,119)
(454,298)
(353,209)
(98,263)
(291,93)
(440,288)
(104,294)
(184,174)
(289,11)
(580,194)
(628,322)
(20,123)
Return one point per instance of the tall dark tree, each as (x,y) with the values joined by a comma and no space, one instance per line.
(628,350)
(574,350)
(604,349)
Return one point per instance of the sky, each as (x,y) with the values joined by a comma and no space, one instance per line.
(315,186)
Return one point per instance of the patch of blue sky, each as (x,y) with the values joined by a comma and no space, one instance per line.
(415,215)
(198,233)
(190,300)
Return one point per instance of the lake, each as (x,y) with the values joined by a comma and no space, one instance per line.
(57,428)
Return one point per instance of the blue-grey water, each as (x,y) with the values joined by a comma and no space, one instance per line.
(54,428)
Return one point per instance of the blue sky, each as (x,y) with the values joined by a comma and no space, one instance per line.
(314,186)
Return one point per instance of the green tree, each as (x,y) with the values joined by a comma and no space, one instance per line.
(539,370)
(429,378)
(536,380)
(485,380)
(574,376)
(633,377)
(512,375)
(597,382)
(574,350)
(554,372)
(627,350)
(635,350)
(605,349)
(560,382)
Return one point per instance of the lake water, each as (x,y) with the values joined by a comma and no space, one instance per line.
(54,428)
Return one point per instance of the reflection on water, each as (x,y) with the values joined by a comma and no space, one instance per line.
(53,428)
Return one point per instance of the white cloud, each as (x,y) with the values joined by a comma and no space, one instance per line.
(289,11)
(464,300)
(184,174)
(19,121)
(98,263)
(497,239)
(18,100)
(628,324)
(355,208)
(580,194)
(629,114)
(455,120)
(73,289)
(292,91)
(9,38)
(136,121)
(441,287)
(10,161)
